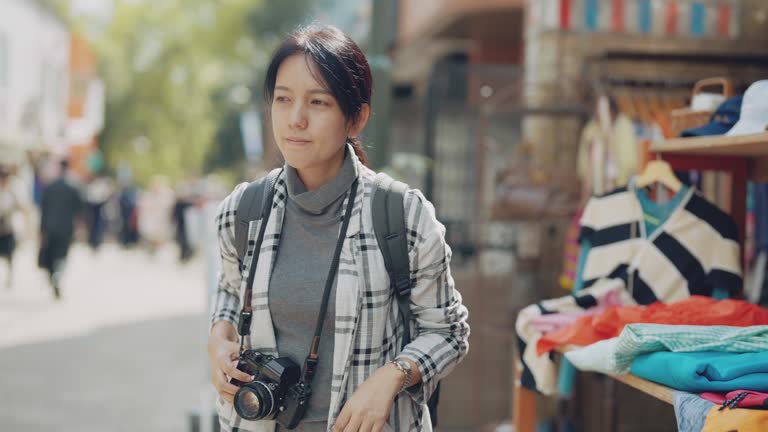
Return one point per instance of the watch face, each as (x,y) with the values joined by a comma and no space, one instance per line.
(404,365)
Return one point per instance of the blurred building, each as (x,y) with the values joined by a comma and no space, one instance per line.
(34,83)
(85,109)
(51,99)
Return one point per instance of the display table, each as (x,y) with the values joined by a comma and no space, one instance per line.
(524,403)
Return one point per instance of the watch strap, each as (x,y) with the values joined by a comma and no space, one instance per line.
(405,368)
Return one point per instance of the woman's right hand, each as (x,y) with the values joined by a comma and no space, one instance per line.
(223,353)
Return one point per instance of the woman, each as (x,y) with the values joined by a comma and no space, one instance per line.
(318,87)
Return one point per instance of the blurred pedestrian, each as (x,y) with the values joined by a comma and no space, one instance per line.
(61,204)
(155,213)
(9,205)
(129,217)
(184,201)
(97,194)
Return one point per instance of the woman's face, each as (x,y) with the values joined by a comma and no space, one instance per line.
(307,122)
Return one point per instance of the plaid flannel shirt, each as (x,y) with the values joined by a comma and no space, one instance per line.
(368,329)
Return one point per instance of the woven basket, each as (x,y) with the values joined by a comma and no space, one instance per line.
(686,118)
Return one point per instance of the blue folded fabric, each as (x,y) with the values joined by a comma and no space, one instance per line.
(704,371)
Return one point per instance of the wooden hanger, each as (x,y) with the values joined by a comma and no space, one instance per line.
(658,171)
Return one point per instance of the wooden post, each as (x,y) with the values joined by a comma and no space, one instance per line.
(523,400)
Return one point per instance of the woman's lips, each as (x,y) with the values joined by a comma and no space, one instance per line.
(298,141)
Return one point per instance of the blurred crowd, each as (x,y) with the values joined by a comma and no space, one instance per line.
(62,208)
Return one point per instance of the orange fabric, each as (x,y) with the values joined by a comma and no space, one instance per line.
(695,310)
(738,420)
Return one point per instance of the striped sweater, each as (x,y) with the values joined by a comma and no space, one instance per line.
(693,251)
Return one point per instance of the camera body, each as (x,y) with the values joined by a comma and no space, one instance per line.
(276,391)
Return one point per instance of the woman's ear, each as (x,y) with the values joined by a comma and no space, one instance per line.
(362,119)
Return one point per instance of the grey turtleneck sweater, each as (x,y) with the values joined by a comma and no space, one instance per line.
(308,240)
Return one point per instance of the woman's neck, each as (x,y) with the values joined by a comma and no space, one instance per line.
(315,177)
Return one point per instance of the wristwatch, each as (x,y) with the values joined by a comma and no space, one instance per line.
(404,367)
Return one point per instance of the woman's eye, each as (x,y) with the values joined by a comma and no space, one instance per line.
(319,102)
(281,99)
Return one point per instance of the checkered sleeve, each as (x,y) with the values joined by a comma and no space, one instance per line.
(442,331)
(226,298)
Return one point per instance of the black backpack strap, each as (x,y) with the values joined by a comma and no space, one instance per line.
(392,238)
(250,208)
(389,226)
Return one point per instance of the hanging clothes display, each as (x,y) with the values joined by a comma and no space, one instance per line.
(658,252)
(693,251)
(571,253)
(608,153)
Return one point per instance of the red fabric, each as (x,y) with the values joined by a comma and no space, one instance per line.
(752,399)
(695,310)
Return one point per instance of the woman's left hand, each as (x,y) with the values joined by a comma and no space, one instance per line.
(368,408)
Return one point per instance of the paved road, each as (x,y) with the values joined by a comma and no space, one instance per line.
(122,351)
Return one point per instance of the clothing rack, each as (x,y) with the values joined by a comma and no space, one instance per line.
(745,157)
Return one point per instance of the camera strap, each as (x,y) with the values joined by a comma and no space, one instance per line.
(310,364)
(246,314)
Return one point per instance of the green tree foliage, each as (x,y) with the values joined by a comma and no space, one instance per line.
(169,67)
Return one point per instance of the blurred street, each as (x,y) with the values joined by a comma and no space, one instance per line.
(123,349)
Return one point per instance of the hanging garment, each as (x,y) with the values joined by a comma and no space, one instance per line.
(615,356)
(571,253)
(704,371)
(760,197)
(695,310)
(539,371)
(690,411)
(607,153)
(693,251)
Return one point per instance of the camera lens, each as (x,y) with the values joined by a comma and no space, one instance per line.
(254,401)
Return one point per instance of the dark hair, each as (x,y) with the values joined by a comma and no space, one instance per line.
(344,68)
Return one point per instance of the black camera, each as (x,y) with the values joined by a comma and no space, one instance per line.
(276,391)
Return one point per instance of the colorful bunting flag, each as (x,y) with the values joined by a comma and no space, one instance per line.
(695,18)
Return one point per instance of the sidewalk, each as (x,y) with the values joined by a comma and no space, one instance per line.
(124,350)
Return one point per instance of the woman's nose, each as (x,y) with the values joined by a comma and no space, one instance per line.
(298,117)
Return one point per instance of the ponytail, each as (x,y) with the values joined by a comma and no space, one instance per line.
(359,152)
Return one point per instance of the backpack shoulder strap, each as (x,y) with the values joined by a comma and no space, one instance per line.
(389,227)
(250,208)
(391,236)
